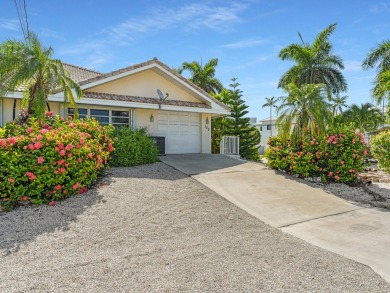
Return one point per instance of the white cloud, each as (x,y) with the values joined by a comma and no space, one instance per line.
(352,66)
(244,44)
(10,24)
(188,17)
(380,7)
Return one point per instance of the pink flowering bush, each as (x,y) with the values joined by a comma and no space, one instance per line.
(45,160)
(334,158)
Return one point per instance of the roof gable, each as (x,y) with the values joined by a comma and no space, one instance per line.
(157,67)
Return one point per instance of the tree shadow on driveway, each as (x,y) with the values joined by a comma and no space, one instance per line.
(23,225)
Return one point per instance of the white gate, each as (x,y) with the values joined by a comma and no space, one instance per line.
(230,145)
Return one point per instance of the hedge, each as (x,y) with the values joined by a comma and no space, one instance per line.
(334,157)
(380,148)
(45,160)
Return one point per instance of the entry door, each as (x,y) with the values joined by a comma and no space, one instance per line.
(181,131)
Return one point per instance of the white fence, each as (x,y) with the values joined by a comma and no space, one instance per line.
(230,145)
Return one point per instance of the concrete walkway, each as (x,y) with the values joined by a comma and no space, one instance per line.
(320,218)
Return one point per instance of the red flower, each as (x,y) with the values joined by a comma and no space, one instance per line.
(60,162)
(52,203)
(38,145)
(342,162)
(4,199)
(76,185)
(11,180)
(336,177)
(330,173)
(31,176)
(62,153)
(49,114)
(41,160)
(29,130)
(365,152)
(31,146)
(45,126)
(58,187)
(69,147)
(24,198)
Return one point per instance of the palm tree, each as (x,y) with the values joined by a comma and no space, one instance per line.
(315,63)
(28,66)
(270,102)
(380,57)
(204,76)
(338,104)
(304,109)
(364,118)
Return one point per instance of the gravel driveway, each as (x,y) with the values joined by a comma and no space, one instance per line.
(153,229)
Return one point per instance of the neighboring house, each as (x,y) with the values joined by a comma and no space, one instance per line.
(128,97)
(265,126)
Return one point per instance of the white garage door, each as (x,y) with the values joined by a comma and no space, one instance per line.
(181,131)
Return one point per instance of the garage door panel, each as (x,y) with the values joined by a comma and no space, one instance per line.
(181,131)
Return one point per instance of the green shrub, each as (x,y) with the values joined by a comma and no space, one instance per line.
(2,132)
(380,148)
(334,158)
(133,147)
(46,160)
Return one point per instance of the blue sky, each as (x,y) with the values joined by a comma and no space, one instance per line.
(246,36)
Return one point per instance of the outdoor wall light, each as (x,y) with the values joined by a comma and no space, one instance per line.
(151,118)
(207,120)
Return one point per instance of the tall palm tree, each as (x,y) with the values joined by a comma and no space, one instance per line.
(204,76)
(271,103)
(364,118)
(304,109)
(29,66)
(380,57)
(338,103)
(315,63)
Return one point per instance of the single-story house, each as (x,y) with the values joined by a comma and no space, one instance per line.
(129,97)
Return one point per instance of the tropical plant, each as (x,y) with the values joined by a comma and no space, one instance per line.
(304,109)
(315,63)
(271,103)
(29,66)
(338,103)
(337,157)
(48,159)
(133,147)
(380,148)
(380,57)
(363,118)
(203,76)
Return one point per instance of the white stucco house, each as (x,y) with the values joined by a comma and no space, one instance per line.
(128,97)
(266,126)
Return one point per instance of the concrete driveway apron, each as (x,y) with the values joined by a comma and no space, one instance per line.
(320,218)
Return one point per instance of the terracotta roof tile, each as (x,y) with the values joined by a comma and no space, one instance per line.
(79,74)
(114,97)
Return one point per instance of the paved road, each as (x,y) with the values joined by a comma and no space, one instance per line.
(320,218)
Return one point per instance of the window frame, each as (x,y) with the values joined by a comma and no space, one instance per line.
(110,116)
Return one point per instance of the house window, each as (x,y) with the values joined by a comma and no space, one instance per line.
(261,128)
(82,112)
(120,118)
(103,116)
(268,127)
(116,117)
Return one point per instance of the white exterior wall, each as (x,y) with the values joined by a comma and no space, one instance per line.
(205,133)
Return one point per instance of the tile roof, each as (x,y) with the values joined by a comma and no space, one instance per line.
(78,74)
(149,62)
(114,97)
